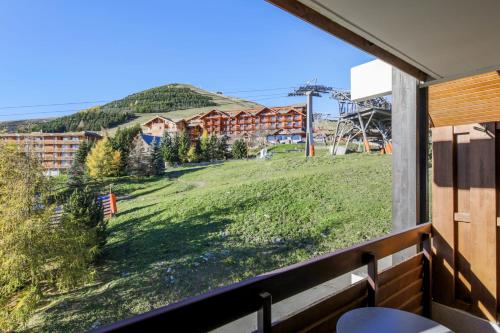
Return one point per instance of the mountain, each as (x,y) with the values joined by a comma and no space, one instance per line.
(173,100)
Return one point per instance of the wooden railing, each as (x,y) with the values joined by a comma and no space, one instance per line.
(406,285)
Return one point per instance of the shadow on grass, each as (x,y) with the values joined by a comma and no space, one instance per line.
(141,192)
(179,173)
(135,209)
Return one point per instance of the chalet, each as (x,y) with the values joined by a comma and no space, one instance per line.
(159,125)
(56,150)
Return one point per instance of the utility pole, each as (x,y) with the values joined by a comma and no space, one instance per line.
(310,91)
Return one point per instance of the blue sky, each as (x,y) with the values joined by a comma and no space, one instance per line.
(73,51)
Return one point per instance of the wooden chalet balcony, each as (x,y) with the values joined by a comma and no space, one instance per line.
(406,285)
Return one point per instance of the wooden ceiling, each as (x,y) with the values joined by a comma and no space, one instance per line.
(473,99)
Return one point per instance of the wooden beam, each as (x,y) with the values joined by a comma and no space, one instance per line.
(309,15)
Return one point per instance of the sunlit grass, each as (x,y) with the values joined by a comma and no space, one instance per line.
(198,228)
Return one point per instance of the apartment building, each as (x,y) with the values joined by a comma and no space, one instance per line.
(55,150)
(276,124)
(289,121)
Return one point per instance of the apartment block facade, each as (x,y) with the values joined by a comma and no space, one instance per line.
(55,150)
(256,122)
(276,124)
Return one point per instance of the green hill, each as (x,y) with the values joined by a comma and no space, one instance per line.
(173,100)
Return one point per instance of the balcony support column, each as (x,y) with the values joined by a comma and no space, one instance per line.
(410,134)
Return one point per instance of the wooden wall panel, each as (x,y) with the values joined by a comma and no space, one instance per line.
(473,99)
(465,209)
(443,210)
(483,220)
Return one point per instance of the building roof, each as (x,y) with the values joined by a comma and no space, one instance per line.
(160,117)
(149,139)
(432,40)
(277,109)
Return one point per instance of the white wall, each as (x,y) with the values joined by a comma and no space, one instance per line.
(369,80)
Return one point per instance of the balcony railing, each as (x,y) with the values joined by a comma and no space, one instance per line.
(406,285)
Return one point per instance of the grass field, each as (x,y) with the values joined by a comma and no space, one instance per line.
(201,227)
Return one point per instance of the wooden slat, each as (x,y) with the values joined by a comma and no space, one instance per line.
(309,15)
(329,323)
(399,298)
(355,295)
(393,272)
(396,285)
(468,100)
(412,303)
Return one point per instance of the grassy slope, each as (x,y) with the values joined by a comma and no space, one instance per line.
(207,226)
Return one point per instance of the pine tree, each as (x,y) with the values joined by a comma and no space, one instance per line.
(139,159)
(176,141)
(212,148)
(77,172)
(222,148)
(114,166)
(184,145)
(239,149)
(157,163)
(84,209)
(204,146)
(168,151)
(102,161)
(122,142)
(194,154)
(197,151)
